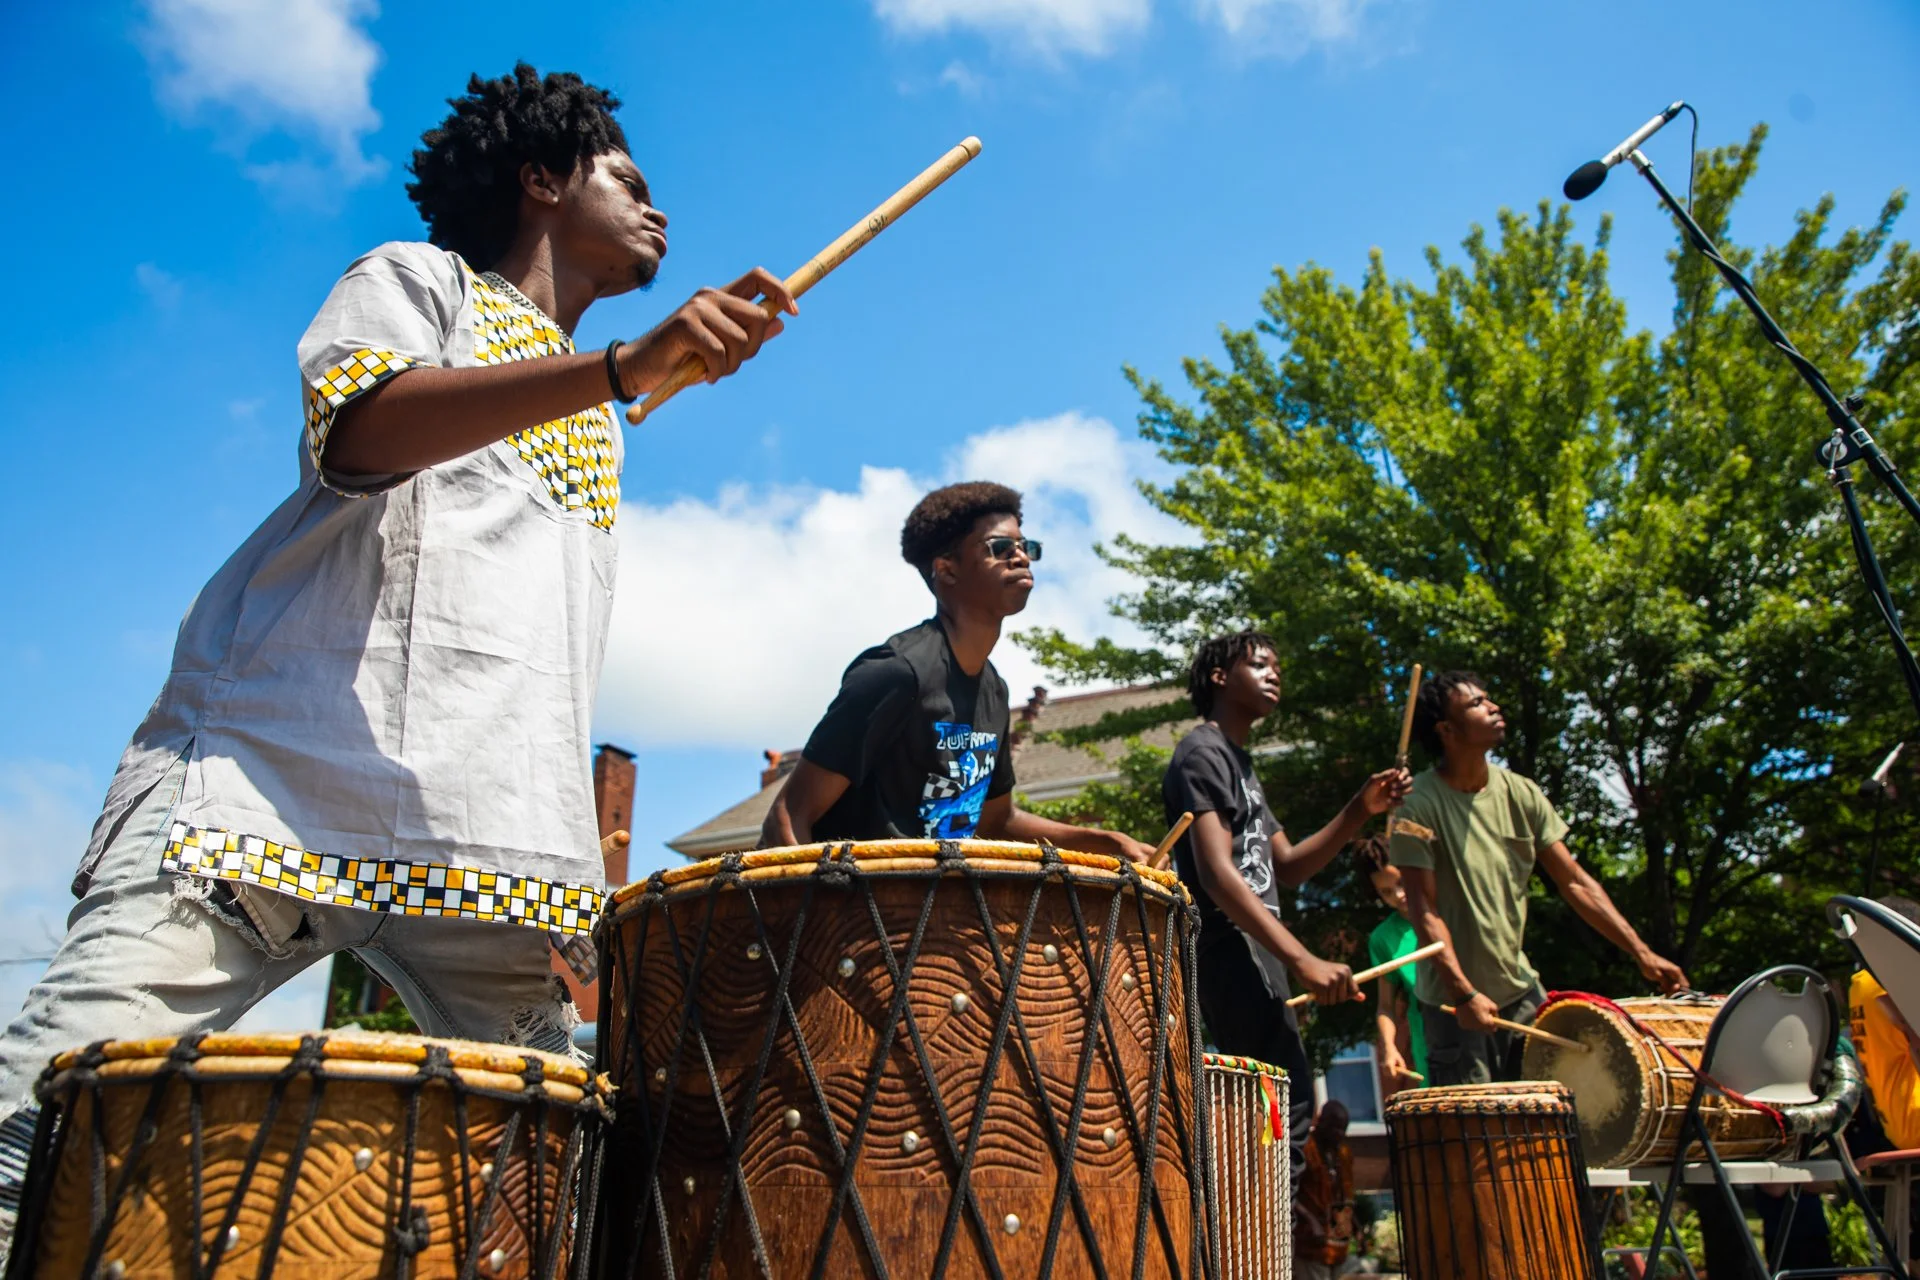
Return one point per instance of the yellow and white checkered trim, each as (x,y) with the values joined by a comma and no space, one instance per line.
(382,884)
(576,455)
(363,369)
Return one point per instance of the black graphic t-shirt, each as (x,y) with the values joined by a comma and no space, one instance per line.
(923,743)
(1210,773)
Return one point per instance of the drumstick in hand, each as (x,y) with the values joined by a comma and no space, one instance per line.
(1535,1032)
(693,369)
(1160,855)
(1368,975)
(1406,732)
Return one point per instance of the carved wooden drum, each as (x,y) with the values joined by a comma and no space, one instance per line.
(1251,1174)
(1489,1183)
(323,1157)
(1631,1088)
(901,1058)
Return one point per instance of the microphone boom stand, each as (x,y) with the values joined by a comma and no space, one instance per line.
(1850,442)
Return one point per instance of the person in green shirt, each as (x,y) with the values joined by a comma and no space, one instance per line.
(1466,843)
(1402,1040)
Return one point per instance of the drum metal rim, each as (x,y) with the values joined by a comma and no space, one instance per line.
(1531,1097)
(499,1069)
(883,857)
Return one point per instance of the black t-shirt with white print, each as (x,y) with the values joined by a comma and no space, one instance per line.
(923,743)
(1210,773)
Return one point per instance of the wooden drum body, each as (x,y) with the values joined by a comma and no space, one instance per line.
(324,1157)
(1252,1196)
(1631,1087)
(1489,1183)
(902,1058)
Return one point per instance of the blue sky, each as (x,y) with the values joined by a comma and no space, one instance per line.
(193,174)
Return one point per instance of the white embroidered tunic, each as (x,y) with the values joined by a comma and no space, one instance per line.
(385,695)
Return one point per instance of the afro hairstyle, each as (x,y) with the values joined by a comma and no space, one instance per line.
(938,521)
(1433,704)
(467,172)
(1219,654)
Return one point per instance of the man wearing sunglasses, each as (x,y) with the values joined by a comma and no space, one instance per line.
(916,742)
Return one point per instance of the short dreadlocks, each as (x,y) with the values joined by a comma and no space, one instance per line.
(1219,654)
(938,521)
(467,172)
(1435,700)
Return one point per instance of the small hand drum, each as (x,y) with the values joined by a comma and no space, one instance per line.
(901,1058)
(341,1156)
(1251,1195)
(1489,1183)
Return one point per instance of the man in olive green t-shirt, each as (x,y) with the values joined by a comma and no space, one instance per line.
(1466,843)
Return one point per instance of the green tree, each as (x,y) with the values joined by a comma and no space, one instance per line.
(1626,535)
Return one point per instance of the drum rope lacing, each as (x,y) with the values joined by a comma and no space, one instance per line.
(837,867)
(1771,1112)
(411,1230)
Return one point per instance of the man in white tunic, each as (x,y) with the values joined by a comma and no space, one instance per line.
(375,733)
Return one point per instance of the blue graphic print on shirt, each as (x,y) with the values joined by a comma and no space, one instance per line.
(950,803)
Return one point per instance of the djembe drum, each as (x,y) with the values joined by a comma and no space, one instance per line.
(1251,1187)
(1489,1183)
(905,1057)
(322,1157)
(1631,1086)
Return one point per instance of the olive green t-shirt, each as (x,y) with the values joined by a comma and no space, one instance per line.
(1481,851)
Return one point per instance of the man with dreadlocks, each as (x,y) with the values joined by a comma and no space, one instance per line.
(374,733)
(916,742)
(1466,846)
(1235,857)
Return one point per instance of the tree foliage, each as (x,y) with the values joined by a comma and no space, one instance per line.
(1626,534)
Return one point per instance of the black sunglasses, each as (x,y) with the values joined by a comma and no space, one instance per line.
(1002,547)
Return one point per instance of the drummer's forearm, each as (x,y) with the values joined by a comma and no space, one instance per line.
(1590,900)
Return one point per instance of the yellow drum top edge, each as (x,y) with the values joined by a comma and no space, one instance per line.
(1245,1066)
(888,855)
(340,1051)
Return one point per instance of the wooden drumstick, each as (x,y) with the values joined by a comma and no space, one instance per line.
(1368,975)
(692,369)
(1535,1032)
(1165,851)
(1406,718)
(1406,734)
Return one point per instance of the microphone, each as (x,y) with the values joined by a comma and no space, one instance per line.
(1586,180)
(1878,782)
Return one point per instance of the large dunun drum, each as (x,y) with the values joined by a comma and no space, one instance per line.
(327,1157)
(1489,1183)
(1631,1087)
(905,1058)
(1251,1173)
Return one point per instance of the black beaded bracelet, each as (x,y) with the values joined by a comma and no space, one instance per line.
(613,374)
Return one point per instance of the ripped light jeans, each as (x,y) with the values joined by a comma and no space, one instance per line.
(151,954)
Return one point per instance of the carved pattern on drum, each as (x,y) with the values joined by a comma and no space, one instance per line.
(339,1217)
(1630,1089)
(767,1210)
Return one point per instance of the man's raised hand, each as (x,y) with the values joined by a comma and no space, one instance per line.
(722,328)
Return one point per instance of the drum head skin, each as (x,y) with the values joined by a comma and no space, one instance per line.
(1607,1081)
(1889,943)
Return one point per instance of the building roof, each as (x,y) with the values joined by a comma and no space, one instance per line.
(1045,770)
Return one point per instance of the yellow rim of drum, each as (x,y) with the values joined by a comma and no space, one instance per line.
(1483,1099)
(347,1055)
(880,856)
(1246,1066)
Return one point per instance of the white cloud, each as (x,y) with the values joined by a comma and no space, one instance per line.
(303,67)
(162,287)
(1289,28)
(1047,26)
(734,618)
